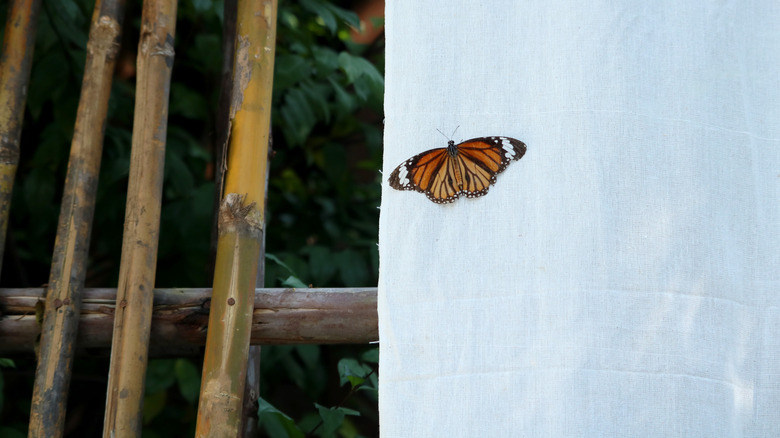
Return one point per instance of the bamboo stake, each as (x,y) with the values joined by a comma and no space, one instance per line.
(240,224)
(132,321)
(180,318)
(15,64)
(252,385)
(69,261)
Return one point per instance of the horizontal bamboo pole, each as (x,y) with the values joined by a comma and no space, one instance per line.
(180,318)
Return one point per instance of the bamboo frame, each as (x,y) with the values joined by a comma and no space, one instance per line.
(68,270)
(180,319)
(75,320)
(15,65)
(132,321)
(241,219)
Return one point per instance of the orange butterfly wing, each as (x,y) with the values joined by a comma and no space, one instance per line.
(467,168)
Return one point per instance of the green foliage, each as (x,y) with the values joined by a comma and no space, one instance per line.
(344,416)
(275,422)
(322,201)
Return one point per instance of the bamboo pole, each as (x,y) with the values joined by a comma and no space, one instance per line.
(15,64)
(132,320)
(69,261)
(252,385)
(180,319)
(240,224)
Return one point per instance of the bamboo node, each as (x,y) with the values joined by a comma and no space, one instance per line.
(105,37)
(234,216)
(165,49)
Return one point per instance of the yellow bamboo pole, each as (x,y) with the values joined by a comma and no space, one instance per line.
(132,320)
(69,261)
(252,385)
(15,64)
(241,221)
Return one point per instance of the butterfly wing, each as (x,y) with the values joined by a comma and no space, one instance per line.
(471,171)
(429,172)
(479,160)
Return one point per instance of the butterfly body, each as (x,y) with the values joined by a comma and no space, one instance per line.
(467,168)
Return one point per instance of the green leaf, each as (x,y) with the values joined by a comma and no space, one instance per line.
(347,16)
(68,18)
(276,260)
(159,375)
(294,282)
(188,103)
(356,67)
(321,265)
(7,363)
(331,419)
(323,12)
(289,182)
(188,378)
(309,354)
(352,268)
(370,356)
(298,116)
(202,5)
(178,174)
(350,370)
(326,60)
(275,422)
(346,103)
(290,69)
(49,79)
(317,96)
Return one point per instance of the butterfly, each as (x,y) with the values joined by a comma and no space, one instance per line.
(467,168)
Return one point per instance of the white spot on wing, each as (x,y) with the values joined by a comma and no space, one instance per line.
(402,175)
(507,145)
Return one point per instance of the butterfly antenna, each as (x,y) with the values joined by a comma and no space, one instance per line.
(451,136)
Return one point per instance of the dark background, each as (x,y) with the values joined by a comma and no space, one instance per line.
(322,210)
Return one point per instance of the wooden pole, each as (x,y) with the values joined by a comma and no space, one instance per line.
(69,262)
(180,319)
(252,385)
(132,322)
(240,223)
(15,64)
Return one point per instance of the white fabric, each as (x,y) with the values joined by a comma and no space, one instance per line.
(622,279)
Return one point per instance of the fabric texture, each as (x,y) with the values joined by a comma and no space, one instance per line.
(623,277)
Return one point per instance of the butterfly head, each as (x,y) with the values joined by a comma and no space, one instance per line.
(451,148)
